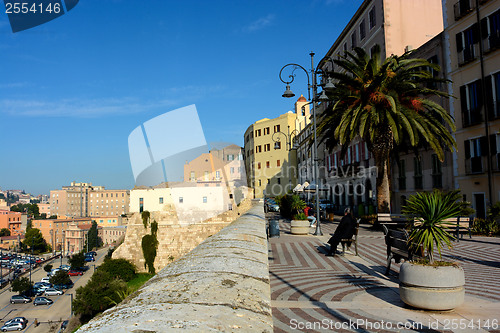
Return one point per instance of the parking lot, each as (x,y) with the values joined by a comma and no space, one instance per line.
(50,316)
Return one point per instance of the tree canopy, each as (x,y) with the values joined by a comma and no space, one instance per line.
(21,285)
(119,268)
(77,260)
(4,232)
(387,104)
(34,239)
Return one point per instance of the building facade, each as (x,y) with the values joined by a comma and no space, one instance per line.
(11,221)
(472,35)
(270,155)
(54,231)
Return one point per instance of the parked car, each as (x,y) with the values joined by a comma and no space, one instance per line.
(64,286)
(65,267)
(64,324)
(42,285)
(53,292)
(17,319)
(82,269)
(89,259)
(20,299)
(74,273)
(15,326)
(42,301)
(91,253)
(45,279)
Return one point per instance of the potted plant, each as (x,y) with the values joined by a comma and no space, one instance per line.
(428,283)
(299,224)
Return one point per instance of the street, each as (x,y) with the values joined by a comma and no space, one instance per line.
(51,316)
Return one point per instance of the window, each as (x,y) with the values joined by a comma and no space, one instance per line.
(474,150)
(161,201)
(276,128)
(231,170)
(372,19)
(492,87)
(362,31)
(204,199)
(217,175)
(402,174)
(417,172)
(266,131)
(353,40)
(471,103)
(278,163)
(258,165)
(462,8)
(260,182)
(206,176)
(279,180)
(247,138)
(258,132)
(267,164)
(192,177)
(267,147)
(490,29)
(258,149)
(181,199)
(467,44)
(230,157)
(437,176)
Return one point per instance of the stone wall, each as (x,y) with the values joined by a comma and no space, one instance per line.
(220,286)
(175,238)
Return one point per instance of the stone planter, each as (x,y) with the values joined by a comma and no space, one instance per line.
(299,227)
(431,287)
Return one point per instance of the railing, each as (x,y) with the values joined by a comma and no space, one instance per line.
(475,165)
(492,42)
(472,117)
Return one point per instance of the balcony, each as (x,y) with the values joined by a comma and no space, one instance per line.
(463,7)
(472,117)
(475,165)
(468,54)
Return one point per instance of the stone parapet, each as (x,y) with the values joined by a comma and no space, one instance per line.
(220,286)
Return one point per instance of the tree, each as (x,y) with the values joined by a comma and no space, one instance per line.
(119,268)
(97,295)
(77,260)
(4,232)
(93,239)
(386,104)
(34,239)
(61,277)
(47,268)
(21,285)
(30,209)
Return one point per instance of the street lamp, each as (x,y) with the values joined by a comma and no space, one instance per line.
(314,87)
(288,139)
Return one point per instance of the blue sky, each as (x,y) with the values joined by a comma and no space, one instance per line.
(73,89)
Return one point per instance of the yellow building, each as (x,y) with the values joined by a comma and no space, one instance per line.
(473,43)
(270,159)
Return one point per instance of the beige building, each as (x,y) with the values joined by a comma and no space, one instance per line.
(472,36)
(84,199)
(413,173)
(397,26)
(44,208)
(112,235)
(54,230)
(270,154)
(76,236)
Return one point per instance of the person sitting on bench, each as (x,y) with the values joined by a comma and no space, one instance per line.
(345,230)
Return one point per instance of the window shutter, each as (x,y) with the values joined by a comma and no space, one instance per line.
(460,45)
(479,93)
(475,33)
(493,144)
(488,86)
(483,141)
(463,99)
(484,28)
(467,149)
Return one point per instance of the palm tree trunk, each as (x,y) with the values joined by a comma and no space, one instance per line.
(383,190)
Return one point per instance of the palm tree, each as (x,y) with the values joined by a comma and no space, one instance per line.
(386,104)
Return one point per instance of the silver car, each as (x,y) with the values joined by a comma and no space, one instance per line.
(15,326)
(53,292)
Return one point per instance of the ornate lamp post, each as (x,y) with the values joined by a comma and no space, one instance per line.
(288,139)
(311,86)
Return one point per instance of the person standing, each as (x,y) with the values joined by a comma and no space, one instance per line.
(345,230)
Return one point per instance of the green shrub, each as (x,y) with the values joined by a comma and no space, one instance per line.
(361,210)
(368,219)
(119,268)
(488,227)
(300,216)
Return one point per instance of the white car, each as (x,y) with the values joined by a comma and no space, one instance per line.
(45,279)
(53,292)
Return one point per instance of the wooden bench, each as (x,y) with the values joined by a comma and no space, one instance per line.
(393,221)
(397,246)
(352,240)
(459,225)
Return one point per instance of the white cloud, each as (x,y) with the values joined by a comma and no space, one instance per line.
(259,24)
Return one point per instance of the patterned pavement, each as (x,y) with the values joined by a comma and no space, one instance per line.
(314,293)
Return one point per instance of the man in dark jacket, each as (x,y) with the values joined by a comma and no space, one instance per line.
(345,230)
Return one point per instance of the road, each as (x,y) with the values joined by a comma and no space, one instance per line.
(50,316)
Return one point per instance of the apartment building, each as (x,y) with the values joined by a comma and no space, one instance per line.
(397,26)
(472,34)
(423,171)
(84,199)
(12,221)
(270,151)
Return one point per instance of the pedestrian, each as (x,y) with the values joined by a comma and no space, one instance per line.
(345,230)
(312,219)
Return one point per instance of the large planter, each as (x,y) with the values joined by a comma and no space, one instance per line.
(299,227)
(431,287)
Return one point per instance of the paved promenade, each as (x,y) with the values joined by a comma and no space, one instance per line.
(314,293)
